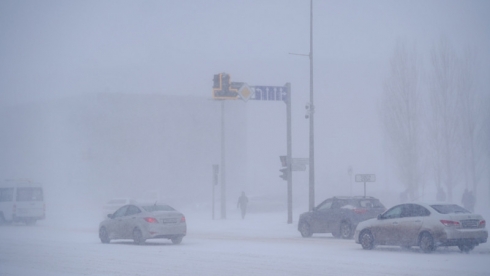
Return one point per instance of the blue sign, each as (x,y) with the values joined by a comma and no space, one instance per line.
(269,93)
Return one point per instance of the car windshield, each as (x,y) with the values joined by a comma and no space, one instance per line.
(29,194)
(6,194)
(154,208)
(449,209)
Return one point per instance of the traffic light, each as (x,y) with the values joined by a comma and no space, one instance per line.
(217,81)
(223,89)
(284,174)
(284,160)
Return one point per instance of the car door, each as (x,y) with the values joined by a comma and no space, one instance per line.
(319,220)
(408,226)
(383,229)
(114,224)
(335,214)
(129,221)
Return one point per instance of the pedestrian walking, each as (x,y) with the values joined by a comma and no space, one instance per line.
(242,204)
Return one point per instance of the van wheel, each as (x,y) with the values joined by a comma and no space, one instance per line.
(466,248)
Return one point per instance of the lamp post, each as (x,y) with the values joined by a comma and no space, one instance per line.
(309,115)
(312,111)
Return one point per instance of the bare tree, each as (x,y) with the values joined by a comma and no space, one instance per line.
(445,123)
(471,115)
(400,116)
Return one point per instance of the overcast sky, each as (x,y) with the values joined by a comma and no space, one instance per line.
(56,49)
(59,48)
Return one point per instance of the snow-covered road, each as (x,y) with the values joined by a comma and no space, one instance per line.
(259,245)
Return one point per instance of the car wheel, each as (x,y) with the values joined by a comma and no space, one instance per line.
(466,248)
(305,230)
(427,243)
(366,239)
(103,235)
(345,230)
(176,240)
(138,236)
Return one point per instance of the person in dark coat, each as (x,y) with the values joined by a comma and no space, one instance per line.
(468,200)
(242,204)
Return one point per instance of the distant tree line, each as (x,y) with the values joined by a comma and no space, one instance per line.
(437,121)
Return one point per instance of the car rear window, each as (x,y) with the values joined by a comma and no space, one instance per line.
(370,203)
(154,208)
(6,194)
(449,208)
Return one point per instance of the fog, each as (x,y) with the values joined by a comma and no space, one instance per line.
(114,98)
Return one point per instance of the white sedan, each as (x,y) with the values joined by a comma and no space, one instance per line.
(142,222)
(423,225)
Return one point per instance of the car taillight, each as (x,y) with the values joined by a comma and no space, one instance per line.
(151,220)
(450,223)
(182,219)
(359,211)
(482,224)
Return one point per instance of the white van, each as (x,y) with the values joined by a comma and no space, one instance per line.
(21,201)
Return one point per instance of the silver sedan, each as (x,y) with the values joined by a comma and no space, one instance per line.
(142,222)
(425,225)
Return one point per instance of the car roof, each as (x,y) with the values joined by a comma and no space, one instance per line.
(354,197)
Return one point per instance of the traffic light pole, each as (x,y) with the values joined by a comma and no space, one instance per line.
(223,175)
(289,154)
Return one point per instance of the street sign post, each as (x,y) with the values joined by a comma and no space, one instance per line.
(365,178)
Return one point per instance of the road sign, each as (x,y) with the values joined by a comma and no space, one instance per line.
(269,93)
(300,161)
(365,178)
(298,167)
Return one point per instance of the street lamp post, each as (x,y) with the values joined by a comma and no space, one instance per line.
(312,111)
(309,115)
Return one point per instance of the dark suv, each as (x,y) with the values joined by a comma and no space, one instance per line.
(339,216)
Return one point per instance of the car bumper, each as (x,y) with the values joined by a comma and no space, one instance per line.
(165,231)
(454,236)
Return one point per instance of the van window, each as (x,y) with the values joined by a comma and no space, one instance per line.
(6,194)
(29,194)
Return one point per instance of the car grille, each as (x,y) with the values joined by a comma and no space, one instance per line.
(470,223)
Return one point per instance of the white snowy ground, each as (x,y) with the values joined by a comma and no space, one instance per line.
(262,244)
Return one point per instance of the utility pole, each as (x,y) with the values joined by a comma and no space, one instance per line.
(223,175)
(312,112)
(289,154)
